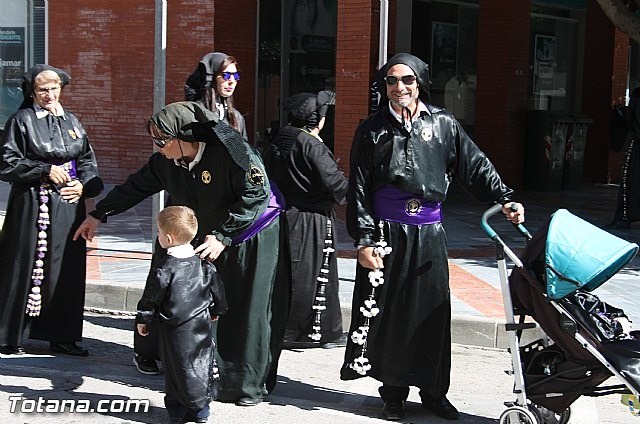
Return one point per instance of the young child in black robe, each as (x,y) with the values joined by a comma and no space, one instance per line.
(186,294)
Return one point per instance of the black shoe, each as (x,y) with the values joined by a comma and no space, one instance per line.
(441,407)
(618,224)
(339,342)
(201,420)
(68,348)
(145,365)
(393,410)
(11,350)
(248,401)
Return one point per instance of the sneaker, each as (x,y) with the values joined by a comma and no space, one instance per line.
(146,365)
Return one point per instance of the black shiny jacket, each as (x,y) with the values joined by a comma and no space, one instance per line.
(423,161)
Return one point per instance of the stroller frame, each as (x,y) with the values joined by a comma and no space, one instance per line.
(522,410)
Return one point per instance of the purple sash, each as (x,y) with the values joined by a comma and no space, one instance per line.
(276,205)
(392,204)
(70,167)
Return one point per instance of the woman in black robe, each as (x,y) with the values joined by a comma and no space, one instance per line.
(205,164)
(312,184)
(47,158)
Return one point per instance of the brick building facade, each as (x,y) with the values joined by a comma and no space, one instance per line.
(107,46)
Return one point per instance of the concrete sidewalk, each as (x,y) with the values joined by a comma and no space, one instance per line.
(119,258)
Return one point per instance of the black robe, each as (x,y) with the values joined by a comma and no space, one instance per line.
(311,182)
(184,293)
(628,202)
(409,341)
(227,200)
(29,146)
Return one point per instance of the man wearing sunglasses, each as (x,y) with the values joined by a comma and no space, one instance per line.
(403,159)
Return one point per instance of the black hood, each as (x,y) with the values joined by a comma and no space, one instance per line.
(203,75)
(420,69)
(29,78)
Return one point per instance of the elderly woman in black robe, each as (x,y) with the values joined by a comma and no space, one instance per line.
(47,158)
(312,184)
(403,159)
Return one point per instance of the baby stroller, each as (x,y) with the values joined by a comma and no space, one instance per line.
(586,340)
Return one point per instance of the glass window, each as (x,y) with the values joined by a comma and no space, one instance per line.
(450,46)
(296,54)
(21,46)
(553,58)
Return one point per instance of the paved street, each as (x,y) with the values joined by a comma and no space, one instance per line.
(309,390)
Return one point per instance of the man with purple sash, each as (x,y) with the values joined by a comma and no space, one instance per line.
(206,165)
(403,159)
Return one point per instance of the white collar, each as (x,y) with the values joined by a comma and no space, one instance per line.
(421,108)
(181,251)
(43,113)
(195,160)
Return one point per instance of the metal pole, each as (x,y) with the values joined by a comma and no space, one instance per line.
(384,33)
(159,79)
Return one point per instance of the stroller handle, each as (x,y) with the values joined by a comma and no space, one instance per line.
(491,232)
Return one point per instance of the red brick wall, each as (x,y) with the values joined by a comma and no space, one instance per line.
(501,93)
(597,91)
(107,46)
(356,58)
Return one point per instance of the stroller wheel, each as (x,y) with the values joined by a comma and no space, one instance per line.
(518,415)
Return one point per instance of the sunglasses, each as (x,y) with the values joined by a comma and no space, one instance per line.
(161,142)
(406,79)
(227,76)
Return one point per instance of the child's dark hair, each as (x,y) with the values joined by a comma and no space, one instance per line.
(180,222)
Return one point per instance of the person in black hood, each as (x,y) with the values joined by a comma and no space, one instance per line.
(308,176)
(206,165)
(628,203)
(47,158)
(403,159)
(212,84)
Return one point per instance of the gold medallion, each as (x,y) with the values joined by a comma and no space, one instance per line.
(412,207)
(206,177)
(255,176)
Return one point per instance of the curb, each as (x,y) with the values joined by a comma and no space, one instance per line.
(468,331)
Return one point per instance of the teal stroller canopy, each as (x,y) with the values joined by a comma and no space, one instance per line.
(580,255)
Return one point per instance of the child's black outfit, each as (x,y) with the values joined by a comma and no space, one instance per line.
(183,292)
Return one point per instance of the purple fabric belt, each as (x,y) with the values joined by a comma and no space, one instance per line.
(70,167)
(276,205)
(392,204)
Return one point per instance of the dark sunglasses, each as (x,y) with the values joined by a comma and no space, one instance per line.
(227,75)
(161,142)
(406,79)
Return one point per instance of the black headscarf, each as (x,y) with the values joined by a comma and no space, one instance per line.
(420,69)
(203,76)
(29,79)
(306,109)
(179,119)
(190,121)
